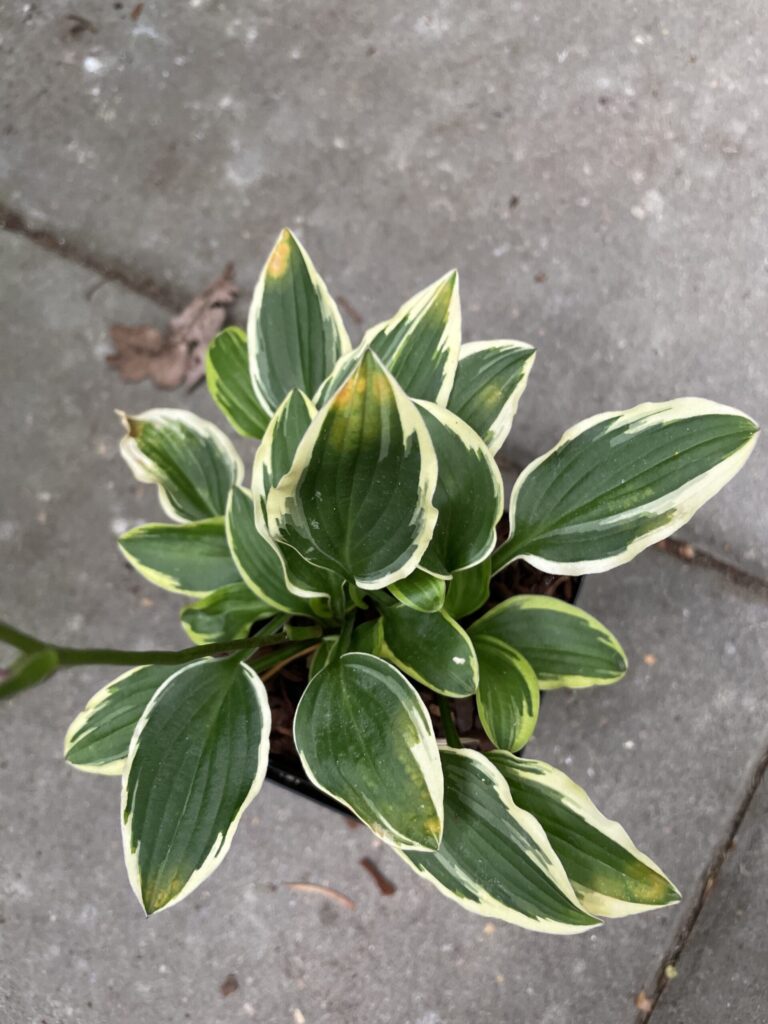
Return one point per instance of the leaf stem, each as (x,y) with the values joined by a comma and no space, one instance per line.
(449,727)
(505,553)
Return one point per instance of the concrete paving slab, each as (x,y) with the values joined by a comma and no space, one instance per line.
(721,975)
(596,171)
(74,945)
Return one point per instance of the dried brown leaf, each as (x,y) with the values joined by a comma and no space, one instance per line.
(177,356)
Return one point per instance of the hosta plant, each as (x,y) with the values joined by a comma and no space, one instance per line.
(362,545)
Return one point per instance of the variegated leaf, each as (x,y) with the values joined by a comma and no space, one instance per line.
(365,738)
(468,590)
(295,331)
(273,460)
(431,648)
(564,645)
(420,344)
(469,496)
(610,875)
(225,614)
(193,463)
(621,481)
(420,591)
(196,760)
(343,368)
(507,694)
(185,558)
(490,380)
(229,381)
(98,739)
(358,498)
(257,560)
(495,858)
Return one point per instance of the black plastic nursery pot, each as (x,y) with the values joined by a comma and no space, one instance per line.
(285,767)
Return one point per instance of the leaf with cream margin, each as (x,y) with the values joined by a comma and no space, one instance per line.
(495,859)
(469,590)
(274,458)
(564,645)
(257,560)
(185,558)
(490,380)
(225,614)
(229,381)
(193,463)
(616,483)
(196,760)
(507,694)
(469,496)
(295,332)
(99,737)
(420,343)
(431,648)
(358,498)
(364,737)
(610,875)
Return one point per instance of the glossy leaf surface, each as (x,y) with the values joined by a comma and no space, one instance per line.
(185,558)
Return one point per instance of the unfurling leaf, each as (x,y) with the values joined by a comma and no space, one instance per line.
(357,500)
(618,482)
(420,344)
(185,558)
(98,739)
(229,382)
(197,758)
(432,648)
(420,591)
(225,614)
(364,737)
(295,331)
(507,694)
(564,645)
(610,875)
(468,590)
(193,463)
(494,858)
(490,380)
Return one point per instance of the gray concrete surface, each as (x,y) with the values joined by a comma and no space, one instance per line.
(74,944)
(596,171)
(722,975)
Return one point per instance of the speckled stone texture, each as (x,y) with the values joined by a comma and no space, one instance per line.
(597,173)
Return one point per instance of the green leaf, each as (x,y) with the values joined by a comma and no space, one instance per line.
(229,382)
(610,875)
(257,560)
(469,590)
(185,558)
(507,694)
(225,614)
(621,481)
(495,859)
(295,332)
(431,648)
(98,739)
(420,344)
(469,495)
(341,371)
(357,500)
(197,758)
(490,380)
(273,460)
(420,591)
(192,462)
(564,645)
(364,737)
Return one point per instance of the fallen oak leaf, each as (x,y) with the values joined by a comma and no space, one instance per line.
(178,356)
